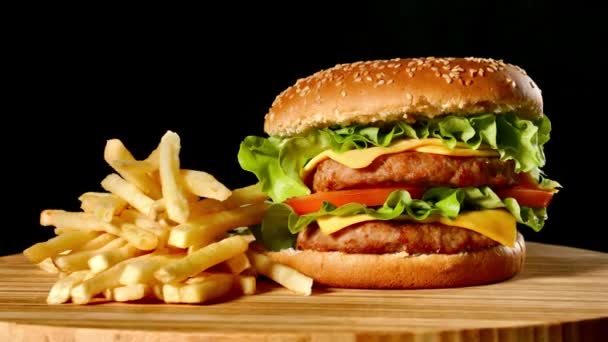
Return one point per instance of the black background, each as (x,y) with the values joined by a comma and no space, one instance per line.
(82,76)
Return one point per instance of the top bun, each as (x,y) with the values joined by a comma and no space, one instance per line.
(402,90)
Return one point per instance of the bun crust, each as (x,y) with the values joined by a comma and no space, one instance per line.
(403,89)
(399,271)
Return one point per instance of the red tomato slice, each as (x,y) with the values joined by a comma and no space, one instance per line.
(370,197)
(528,197)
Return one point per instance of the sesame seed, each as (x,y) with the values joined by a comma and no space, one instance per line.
(381,82)
(368,78)
(397,65)
(480,72)
(468,82)
(410,74)
(358,79)
(343,93)
(488,69)
(532,84)
(472,72)
(390,81)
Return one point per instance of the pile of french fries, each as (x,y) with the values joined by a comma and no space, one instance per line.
(162,232)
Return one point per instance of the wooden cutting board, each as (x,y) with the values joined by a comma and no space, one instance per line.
(562,295)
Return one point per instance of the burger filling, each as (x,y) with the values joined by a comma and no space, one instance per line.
(445,185)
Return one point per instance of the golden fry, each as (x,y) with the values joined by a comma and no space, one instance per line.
(142,271)
(144,222)
(106,279)
(139,238)
(172,184)
(203,184)
(115,151)
(79,260)
(209,227)
(75,221)
(202,259)
(246,284)
(131,292)
(48,266)
(102,205)
(105,259)
(238,263)
(214,286)
(248,195)
(130,193)
(48,249)
(282,274)
(60,292)
(96,243)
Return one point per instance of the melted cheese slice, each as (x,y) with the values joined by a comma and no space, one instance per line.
(497,224)
(357,159)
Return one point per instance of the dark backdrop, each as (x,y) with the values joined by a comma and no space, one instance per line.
(211,73)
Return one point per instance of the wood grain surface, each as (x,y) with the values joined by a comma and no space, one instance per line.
(562,295)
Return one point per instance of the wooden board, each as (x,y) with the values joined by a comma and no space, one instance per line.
(562,295)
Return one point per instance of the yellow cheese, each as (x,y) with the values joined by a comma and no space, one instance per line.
(356,159)
(497,224)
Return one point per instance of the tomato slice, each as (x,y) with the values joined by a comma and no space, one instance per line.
(370,197)
(528,197)
(525,196)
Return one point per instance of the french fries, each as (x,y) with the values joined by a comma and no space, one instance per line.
(159,232)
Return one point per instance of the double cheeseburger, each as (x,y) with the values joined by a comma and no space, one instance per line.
(403,173)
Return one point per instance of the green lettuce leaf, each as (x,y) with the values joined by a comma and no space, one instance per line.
(281,224)
(277,162)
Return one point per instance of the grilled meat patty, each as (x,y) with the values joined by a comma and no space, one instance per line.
(379,237)
(416,168)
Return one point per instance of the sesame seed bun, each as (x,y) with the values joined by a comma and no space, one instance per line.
(337,269)
(403,89)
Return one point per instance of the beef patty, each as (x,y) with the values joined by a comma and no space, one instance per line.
(416,168)
(378,237)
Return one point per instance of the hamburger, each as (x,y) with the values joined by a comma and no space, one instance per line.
(403,173)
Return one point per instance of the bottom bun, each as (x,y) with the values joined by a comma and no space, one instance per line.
(402,271)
